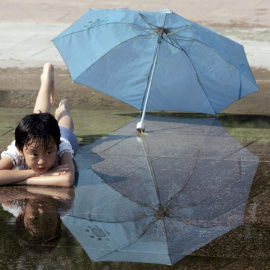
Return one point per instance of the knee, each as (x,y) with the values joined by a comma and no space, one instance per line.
(60,112)
(63,109)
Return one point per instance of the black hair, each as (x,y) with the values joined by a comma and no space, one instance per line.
(47,240)
(41,126)
(28,238)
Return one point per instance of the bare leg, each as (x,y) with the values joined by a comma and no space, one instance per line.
(62,115)
(46,94)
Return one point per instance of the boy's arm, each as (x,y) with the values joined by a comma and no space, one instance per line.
(55,192)
(54,178)
(9,176)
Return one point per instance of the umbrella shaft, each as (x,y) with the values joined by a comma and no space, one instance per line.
(150,80)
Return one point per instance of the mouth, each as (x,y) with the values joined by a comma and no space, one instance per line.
(41,169)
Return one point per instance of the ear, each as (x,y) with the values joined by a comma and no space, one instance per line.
(20,217)
(20,152)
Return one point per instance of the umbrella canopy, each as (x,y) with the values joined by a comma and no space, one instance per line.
(126,53)
(160,198)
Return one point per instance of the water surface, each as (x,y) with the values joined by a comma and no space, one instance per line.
(192,193)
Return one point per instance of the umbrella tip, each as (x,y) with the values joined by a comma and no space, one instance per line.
(140,127)
(141,136)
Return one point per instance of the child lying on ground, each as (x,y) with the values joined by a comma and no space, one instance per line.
(44,146)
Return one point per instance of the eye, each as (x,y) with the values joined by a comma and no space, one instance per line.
(49,152)
(34,154)
(33,220)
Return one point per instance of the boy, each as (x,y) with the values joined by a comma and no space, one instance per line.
(40,155)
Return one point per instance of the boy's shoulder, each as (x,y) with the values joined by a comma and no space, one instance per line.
(13,153)
(64,146)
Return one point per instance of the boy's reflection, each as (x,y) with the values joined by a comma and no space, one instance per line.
(39,222)
(38,214)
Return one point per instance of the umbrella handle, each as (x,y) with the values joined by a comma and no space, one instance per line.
(140,126)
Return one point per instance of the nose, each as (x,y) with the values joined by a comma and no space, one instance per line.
(41,160)
(40,210)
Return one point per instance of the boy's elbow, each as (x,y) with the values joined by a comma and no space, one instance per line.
(69,184)
(69,181)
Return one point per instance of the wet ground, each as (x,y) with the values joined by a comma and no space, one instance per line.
(229,228)
(224,213)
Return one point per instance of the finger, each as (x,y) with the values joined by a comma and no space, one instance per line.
(63,169)
(63,166)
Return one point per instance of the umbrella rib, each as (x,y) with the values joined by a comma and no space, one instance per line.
(173,31)
(215,194)
(237,150)
(176,45)
(201,223)
(180,191)
(138,202)
(148,23)
(193,67)
(193,170)
(126,221)
(134,241)
(211,48)
(109,51)
(144,29)
(189,39)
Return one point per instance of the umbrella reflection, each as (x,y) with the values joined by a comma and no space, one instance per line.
(161,198)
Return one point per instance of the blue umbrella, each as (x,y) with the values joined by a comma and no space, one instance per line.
(126,53)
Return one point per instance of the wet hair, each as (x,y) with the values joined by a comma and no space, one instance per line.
(41,126)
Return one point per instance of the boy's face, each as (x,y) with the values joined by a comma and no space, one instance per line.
(41,218)
(39,158)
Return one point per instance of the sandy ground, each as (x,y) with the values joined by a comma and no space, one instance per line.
(252,13)
(27,27)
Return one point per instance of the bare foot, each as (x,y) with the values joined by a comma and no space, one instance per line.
(48,73)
